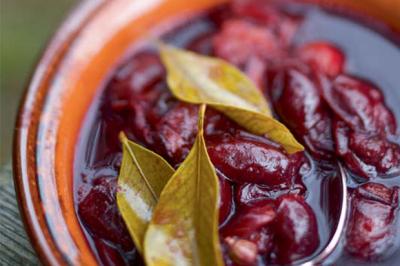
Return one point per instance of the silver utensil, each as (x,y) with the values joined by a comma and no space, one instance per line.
(335,239)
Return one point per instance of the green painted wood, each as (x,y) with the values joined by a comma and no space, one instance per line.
(15,248)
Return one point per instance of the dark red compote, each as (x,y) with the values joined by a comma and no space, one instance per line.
(333,81)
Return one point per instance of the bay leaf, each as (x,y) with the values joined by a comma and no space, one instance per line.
(142,177)
(184,227)
(261,124)
(201,79)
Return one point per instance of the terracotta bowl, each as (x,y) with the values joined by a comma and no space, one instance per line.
(84,51)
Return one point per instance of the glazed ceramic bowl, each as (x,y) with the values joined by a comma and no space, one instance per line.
(83,53)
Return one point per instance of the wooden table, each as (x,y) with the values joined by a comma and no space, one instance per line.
(15,248)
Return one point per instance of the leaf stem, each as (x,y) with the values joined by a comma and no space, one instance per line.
(202,112)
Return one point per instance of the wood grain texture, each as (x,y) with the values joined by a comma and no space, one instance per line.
(15,248)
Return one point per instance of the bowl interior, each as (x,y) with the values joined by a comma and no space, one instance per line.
(77,62)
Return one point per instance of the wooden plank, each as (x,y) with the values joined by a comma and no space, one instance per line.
(15,248)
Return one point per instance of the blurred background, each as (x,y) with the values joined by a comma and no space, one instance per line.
(25,27)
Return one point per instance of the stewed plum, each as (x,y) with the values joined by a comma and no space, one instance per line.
(323,57)
(280,23)
(99,211)
(236,35)
(245,159)
(282,231)
(372,228)
(257,25)
(177,130)
(250,192)
(363,127)
(367,154)
(253,224)
(270,201)
(360,104)
(295,229)
(343,115)
(296,94)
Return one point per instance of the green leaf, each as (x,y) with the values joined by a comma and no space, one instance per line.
(200,79)
(142,177)
(184,227)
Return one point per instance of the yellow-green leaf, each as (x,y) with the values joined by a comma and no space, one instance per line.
(184,227)
(261,124)
(200,79)
(142,177)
